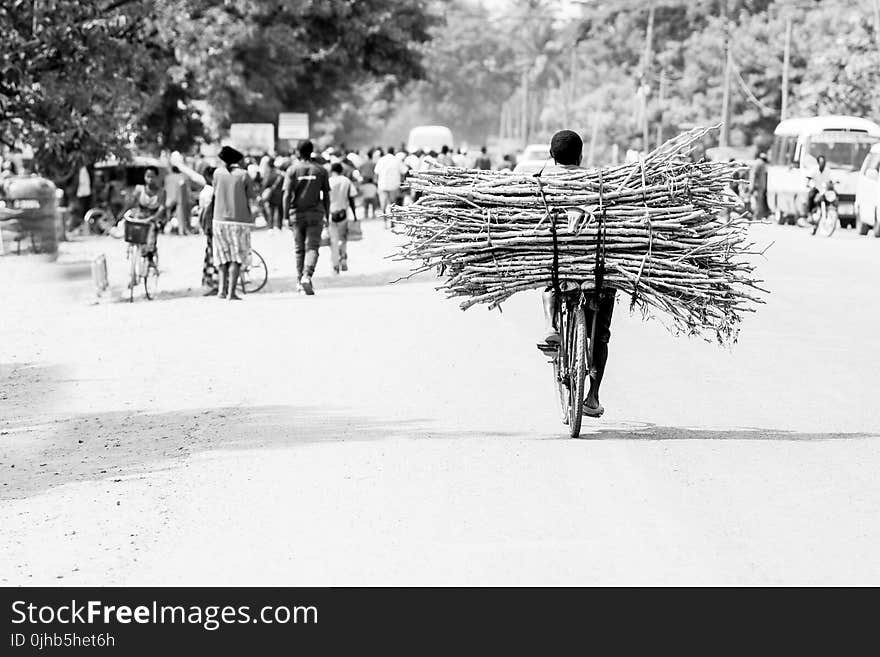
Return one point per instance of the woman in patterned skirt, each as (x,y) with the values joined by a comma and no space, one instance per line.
(206,219)
(232,221)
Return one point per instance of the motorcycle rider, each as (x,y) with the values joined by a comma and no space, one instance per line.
(818,179)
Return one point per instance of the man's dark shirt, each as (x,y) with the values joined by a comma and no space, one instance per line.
(303,186)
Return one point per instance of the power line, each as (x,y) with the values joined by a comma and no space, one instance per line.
(748,92)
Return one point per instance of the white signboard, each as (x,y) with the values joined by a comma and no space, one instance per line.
(292,125)
(252,138)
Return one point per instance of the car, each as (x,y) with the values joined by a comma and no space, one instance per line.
(867,204)
(533,158)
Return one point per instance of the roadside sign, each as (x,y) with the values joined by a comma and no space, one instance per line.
(293,125)
(252,138)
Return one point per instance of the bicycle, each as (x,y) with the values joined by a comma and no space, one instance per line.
(574,357)
(143,264)
(253,276)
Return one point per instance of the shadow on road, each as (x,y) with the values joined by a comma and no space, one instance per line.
(283,284)
(42,450)
(647,431)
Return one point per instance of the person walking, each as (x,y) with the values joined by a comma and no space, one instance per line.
(389,175)
(178,199)
(483,161)
(206,221)
(83,193)
(342,194)
(758,187)
(445,157)
(270,194)
(232,220)
(369,193)
(306,193)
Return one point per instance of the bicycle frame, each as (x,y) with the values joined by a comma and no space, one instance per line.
(570,301)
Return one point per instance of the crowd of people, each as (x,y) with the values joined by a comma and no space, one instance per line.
(315,195)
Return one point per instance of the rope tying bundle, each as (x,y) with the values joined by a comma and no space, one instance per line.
(601,234)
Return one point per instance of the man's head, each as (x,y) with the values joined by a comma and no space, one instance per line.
(230,156)
(566,148)
(336,168)
(391,150)
(445,149)
(821,162)
(483,150)
(304,150)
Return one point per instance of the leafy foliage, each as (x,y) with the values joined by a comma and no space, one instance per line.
(81,80)
(835,54)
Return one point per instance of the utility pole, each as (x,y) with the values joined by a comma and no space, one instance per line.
(661,96)
(877,23)
(786,60)
(591,152)
(524,131)
(502,118)
(569,105)
(725,100)
(646,65)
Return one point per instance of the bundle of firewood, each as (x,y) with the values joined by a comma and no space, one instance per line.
(663,227)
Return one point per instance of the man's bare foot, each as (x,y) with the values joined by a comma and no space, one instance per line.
(592,407)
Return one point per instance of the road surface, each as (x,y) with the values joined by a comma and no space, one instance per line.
(376,434)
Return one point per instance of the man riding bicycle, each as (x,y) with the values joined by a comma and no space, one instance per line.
(566,149)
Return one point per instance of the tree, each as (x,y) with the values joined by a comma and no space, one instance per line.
(82,80)
(67,73)
(252,60)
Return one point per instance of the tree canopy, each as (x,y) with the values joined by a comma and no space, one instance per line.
(82,80)
(591,66)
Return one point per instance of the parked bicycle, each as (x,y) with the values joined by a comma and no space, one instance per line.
(254,275)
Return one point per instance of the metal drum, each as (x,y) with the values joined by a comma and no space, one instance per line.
(33,201)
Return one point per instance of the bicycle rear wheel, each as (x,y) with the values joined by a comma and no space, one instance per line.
(254,278)
(576,337)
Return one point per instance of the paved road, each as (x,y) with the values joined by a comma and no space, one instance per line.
(375,434)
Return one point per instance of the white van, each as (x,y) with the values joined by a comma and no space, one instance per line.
(429,138)
(868,194)
(843,140)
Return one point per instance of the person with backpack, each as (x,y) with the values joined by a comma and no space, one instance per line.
(342,194)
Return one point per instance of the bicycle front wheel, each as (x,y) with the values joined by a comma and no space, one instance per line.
(151,281)
(254,278)
(576,352)
(132,272)
(561,382)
